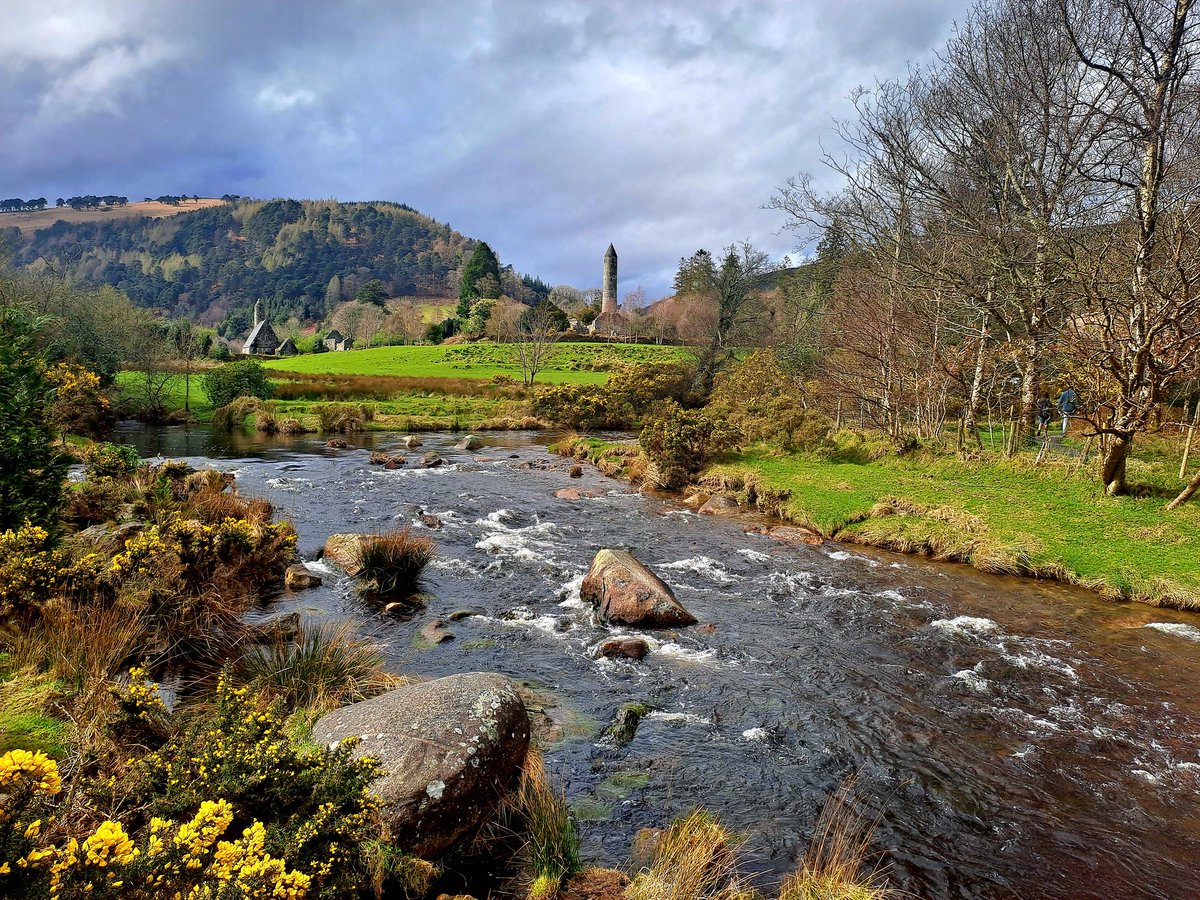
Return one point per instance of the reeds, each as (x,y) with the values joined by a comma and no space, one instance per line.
(344,418)
(837,857)
(551,849)
(323,667)
(392,562)
(696,858)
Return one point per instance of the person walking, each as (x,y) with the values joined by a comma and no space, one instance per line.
(1068,405)
(1044,410)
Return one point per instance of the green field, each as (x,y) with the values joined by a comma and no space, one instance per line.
(1002,516)
(566,363)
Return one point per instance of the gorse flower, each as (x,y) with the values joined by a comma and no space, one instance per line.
(21,769)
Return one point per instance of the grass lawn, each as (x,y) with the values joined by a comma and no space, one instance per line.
(1001,516)
(567,363)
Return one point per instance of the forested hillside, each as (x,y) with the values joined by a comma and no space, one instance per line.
(300,257)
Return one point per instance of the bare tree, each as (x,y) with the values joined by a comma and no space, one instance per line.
(533,335)
(1140,272)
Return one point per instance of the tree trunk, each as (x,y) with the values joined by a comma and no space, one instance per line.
(1112,472)
(1186,493)
(973,398)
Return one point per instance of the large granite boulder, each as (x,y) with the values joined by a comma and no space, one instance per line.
(626,592)
(470,442)
(452,747)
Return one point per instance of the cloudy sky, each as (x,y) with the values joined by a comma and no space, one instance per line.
(546,127)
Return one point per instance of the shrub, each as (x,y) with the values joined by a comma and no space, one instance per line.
(767,404)
(391,563)
(93,501)
(305,818)
(105,460)
(680,442)
(581,407)
(32,468)
(314,803)
(244,378)
(644,384)
(80,406)
(322,667)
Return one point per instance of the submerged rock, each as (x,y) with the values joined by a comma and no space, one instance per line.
(387,460)
(299,576)
(628,593)
(625,724)
(470,442)
(629,648)
(430,521)
(436,632)
(451,748)
(336,444)
(579,493)
(789,534)
(719,505)
(459,614)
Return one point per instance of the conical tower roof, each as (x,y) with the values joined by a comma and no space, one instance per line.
(611,251)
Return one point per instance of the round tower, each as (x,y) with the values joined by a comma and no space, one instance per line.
(609,304)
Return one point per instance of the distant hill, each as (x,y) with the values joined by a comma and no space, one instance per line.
(30,221)
(211,263)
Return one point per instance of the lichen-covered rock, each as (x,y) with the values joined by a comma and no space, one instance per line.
(626,592)
(342,550)
(451,748)
(299,576)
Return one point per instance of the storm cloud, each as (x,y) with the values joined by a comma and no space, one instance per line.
(547,129)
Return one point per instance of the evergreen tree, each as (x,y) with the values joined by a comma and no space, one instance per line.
(31,467)
(697,274)
(483,262)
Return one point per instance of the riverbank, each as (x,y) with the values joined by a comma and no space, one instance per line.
(1002,517)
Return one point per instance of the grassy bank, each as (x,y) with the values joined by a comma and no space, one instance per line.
(566,363)
(417,388)
(1001,516)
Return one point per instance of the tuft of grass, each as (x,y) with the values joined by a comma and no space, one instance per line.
(695,858)
(321,668)
(344,418)
(550,854)
(26,721)
(83,650)
(392,562)
(837,857)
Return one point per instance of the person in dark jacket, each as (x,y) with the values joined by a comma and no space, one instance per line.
(1068,405)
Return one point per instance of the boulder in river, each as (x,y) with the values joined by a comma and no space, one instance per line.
(451,748)
(628,593)
(719,505)
(342,550)
(579,493)
(431,460)
(625,723)
(470,442)
(696,500)
(628,648)
(299,576)
(412,442)
(336,444)
(430,521)
(576,472)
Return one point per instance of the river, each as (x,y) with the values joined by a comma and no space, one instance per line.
(1012,738)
